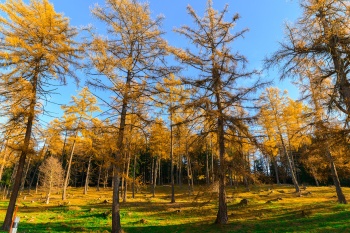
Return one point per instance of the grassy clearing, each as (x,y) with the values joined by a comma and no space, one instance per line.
(269,209)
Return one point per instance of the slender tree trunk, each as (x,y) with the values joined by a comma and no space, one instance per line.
(340,194)
(66,180)
(105,180)
(99,178)
(207,165)
(172,159)
(155,178)
(180,171)
(116,227)
(25,174)
(126,177)
(86,187)
(31,115)
(289,162)
(212,161)
(134,177)
(315,178)
(160,173)
(189,176)
(276,170)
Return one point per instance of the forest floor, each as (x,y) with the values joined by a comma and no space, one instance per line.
(269,208)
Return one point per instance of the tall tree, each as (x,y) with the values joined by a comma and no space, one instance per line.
(170,94)
(321,34)
(280,118)
(129,59)
(217,82)
(77,117)
(37,46)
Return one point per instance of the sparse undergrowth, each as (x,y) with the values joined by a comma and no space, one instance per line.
(262,209)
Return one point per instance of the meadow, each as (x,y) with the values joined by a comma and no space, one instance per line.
(268,208)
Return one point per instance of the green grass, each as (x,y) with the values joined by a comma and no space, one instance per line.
(279,210)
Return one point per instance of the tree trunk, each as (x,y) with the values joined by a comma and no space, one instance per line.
(212,161)
(31,115)
(172,160)
(340,194)
(86,187)
(25,175)
(189,176)
(99,178)
(116,227)
(180,171)
(207,165)
(66,180)
(154,178)
(276,170)
(133,177)
(126,177)
(222,217)
(160,173)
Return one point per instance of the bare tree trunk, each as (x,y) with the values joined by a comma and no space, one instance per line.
(340,194)
(207,164)
(25,174)
(172,160)
(159,173)
(86,187)
(189,176)
(99,178)
(66,180)
(126,177)
(154,178)
(276,170)
(180,171)
(134,177)
(212,161)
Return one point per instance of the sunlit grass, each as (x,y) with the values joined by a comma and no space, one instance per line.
(269,209)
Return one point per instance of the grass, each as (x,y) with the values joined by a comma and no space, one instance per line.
(269,209)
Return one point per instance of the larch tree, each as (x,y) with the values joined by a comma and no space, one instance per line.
(170,95)
(324,129)
(217,82)
(281,119)
(51,175)
(321,34)
(37,45)
(159,147)
(130,59)
(77,116)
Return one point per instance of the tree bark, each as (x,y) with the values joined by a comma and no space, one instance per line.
(126,177)
(87,180)
(154,177)
(339,191)
(172,159)
(276,170)
(66,180)
(99,178)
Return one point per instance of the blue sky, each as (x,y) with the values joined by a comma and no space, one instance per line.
(265,20)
